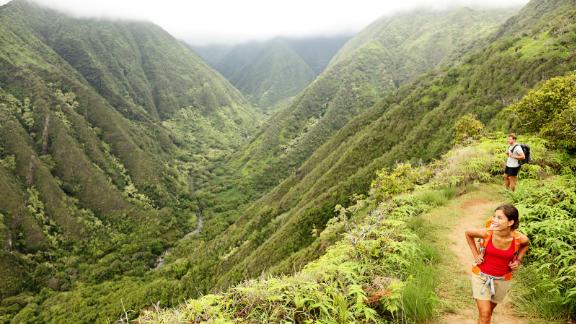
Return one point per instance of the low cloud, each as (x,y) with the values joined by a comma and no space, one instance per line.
(217,21)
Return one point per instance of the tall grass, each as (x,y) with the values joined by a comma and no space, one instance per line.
(437,197)
(418,297)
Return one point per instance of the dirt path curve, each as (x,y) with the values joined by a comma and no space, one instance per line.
(474,213)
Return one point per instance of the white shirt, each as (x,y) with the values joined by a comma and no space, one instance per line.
(512,162)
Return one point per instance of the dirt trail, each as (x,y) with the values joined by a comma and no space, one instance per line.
(474,213)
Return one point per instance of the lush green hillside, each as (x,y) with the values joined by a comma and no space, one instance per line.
(271,72)
(384,262)
(113,137)
(275,74)
(390,264)
(372,64)
(105,130)
(414,123)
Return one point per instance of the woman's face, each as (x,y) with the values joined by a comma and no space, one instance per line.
(500,221)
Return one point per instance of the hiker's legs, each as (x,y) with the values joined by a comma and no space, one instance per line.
(493,305)
(507,181)
(485,308)
(512,182)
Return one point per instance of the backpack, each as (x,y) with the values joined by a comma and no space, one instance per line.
(484,243)
(526,149)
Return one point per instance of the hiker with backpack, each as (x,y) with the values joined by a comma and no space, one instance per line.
(517,155)
(501,251)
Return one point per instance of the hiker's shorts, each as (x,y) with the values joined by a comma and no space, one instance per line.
(513,172)
(481,291)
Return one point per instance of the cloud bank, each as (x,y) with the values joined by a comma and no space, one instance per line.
(229,21)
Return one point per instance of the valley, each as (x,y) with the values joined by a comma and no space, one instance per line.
(270,73)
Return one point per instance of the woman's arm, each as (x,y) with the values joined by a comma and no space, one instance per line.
(524,242)
(470,235)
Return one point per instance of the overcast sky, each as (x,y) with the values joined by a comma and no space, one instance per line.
(217,21)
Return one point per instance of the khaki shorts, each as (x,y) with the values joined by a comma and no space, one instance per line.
(500,286)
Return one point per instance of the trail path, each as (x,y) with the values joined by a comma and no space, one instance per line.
(468,211)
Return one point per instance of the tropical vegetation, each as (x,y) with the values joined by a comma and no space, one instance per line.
(136,182)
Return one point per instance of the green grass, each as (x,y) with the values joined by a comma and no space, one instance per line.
(541,45)
(419,298)
(438,197)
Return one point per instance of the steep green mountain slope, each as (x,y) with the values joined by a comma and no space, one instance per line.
(105,130)
(270,72)
(276,73)
(391,265)
(317,52)
(414,123)
(386,54)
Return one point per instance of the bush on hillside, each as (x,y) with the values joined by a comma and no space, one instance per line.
(403,178)
(550,110)
(467,129)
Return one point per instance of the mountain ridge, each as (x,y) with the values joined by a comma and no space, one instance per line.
(94,166)
(268,80)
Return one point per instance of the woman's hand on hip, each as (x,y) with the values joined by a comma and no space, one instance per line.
(479,259)
(514,265)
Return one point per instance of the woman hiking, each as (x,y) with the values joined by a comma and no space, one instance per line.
(500,253)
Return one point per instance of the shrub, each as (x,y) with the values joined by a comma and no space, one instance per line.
(403,178)
(550,110)
(467,129)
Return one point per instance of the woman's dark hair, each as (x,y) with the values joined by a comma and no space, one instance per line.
(511,213)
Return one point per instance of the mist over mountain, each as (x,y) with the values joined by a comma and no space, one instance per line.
(229,22)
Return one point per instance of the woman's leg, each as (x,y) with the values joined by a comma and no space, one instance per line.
(485,308)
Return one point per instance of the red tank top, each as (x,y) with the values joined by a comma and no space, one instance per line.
(496,260)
